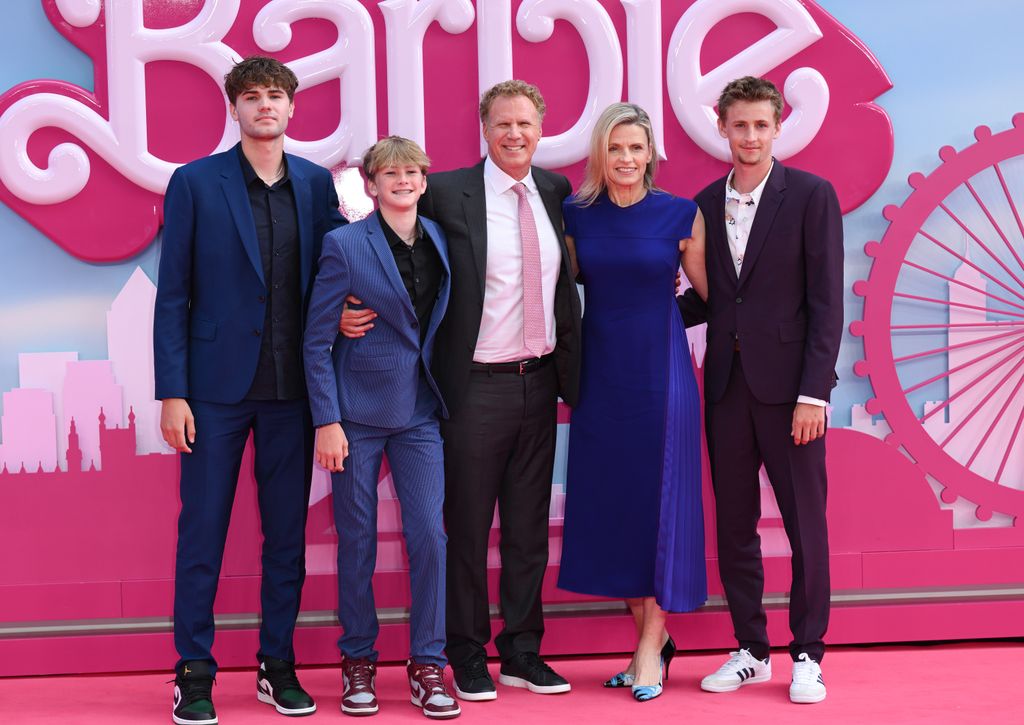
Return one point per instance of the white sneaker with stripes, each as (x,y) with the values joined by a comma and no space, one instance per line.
(808,685)
(741,669)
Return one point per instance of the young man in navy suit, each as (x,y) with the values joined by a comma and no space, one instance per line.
(376,395)
(775,318)
(242,233)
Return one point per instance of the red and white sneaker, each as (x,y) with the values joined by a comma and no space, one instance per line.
(359,680)
(426,682)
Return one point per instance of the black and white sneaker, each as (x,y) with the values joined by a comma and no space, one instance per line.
(527,669)
(808,685)
(473,682)
(277,685)
(741,669)
(193,694)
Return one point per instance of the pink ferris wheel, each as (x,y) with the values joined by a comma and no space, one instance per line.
(943,323)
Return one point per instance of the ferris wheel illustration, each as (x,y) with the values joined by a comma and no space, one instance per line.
(943,322)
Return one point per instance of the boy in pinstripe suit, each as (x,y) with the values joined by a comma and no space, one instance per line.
(371,396)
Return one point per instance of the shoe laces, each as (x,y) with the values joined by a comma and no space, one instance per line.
(194,689)
(476,668)
(359,673)
(431,677)
(738,660)
(284,679)
(532,661)
(805,670)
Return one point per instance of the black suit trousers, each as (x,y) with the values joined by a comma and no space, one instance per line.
(499,447)
(742,434)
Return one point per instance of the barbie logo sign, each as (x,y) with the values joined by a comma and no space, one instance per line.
(89,168)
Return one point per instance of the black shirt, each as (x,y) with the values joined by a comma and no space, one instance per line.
(279,374)
(421,270)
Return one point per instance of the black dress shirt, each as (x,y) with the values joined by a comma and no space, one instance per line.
(279,373)
(421,270)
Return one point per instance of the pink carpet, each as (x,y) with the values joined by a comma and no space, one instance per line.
(962,683)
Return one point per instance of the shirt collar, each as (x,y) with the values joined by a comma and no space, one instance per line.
(755,195)
(394,241)
(500,182)
(249,173)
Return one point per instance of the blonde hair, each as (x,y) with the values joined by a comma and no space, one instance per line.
(509,89)
(617,114)
(393,151)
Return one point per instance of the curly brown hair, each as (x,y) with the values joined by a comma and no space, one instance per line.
(259,70)
(512,88)
(749,88)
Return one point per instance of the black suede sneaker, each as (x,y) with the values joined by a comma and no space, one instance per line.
(473,682)
(527,669)
(277,685)
(193,694)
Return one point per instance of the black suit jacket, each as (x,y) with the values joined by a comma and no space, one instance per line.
(786,306)
(456,201)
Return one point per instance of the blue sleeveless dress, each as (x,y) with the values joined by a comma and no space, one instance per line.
(634,524)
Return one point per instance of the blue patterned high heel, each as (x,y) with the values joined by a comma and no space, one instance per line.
(643,693)
(622,679)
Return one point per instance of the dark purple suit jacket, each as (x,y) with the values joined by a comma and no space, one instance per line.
(786,307)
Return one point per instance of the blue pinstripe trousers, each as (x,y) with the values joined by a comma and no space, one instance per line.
(417,467)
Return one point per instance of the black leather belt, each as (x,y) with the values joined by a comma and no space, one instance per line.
(516,367)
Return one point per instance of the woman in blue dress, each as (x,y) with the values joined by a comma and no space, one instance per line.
(633,516)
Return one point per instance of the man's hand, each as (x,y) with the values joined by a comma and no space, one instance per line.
(331,447)
(808,423)
(355,323)
(177,424)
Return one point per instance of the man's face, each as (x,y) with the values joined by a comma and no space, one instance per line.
(262,112)
(398,188)
(512,130)
(750,128)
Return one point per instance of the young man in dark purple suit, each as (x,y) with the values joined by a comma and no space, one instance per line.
(775,316)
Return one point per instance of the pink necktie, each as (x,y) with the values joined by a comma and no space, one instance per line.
(534,334)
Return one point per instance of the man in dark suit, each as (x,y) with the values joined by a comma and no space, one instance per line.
(242,234)
(507,349)
(376,395)
(775,316)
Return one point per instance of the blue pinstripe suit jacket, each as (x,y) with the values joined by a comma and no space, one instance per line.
(371,380)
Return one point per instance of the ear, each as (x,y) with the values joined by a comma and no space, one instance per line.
(778,129)
(371,187)
(291,109)
(234,112)
(721,129)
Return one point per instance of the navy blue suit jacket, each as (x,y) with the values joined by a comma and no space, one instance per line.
(786,305)
(211,295)
(371,380)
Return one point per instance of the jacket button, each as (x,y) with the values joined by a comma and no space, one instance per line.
(256,333)
(261,298)
(415,324)
(739,300)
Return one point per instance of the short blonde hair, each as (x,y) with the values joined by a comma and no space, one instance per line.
(509,89)
(394,151)
(617,114)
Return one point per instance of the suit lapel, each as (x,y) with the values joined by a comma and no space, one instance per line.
(716,233)
(303,207)
(441,303)
(233,184)
(553,206)
(767,207)
(379,244)
(474,205)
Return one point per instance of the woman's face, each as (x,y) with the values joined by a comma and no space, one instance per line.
(628,156)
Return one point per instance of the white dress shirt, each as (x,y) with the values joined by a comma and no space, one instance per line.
(501,327)
(739,217)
